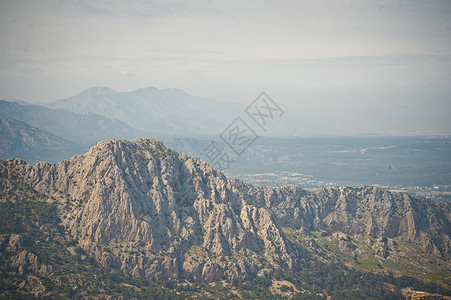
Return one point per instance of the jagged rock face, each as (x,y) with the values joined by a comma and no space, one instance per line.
(180,214)
(152,211)
(365,210)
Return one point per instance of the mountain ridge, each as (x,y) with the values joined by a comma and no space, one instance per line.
(145,170)
(18,139)
(86,128)
(166,111)
(150,212)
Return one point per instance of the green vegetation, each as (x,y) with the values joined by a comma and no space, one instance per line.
(425,272)
(49,263)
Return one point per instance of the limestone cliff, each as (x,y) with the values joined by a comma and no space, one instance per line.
(152,212)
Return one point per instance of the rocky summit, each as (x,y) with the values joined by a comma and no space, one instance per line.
(145,212)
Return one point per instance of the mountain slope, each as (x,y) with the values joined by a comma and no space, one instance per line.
(152,109)
(18,139)
(148,211)
(184,215)
(87,128)
(370,211)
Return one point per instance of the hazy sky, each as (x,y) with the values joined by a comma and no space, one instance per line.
(344,66)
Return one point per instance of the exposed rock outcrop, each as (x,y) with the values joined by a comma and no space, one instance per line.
(151,211)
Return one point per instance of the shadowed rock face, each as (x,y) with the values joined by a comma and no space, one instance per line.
(84,128)
(152,211)
(18,139)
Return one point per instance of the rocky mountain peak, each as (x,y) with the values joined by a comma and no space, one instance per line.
(150,211)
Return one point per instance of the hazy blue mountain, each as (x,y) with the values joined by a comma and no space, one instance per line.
(18,139)
(86,128)
(20,102)
(165,111)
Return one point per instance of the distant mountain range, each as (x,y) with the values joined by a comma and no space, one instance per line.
(168,111)
(127,215)
(100,113)
(81,128)
(18,139)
